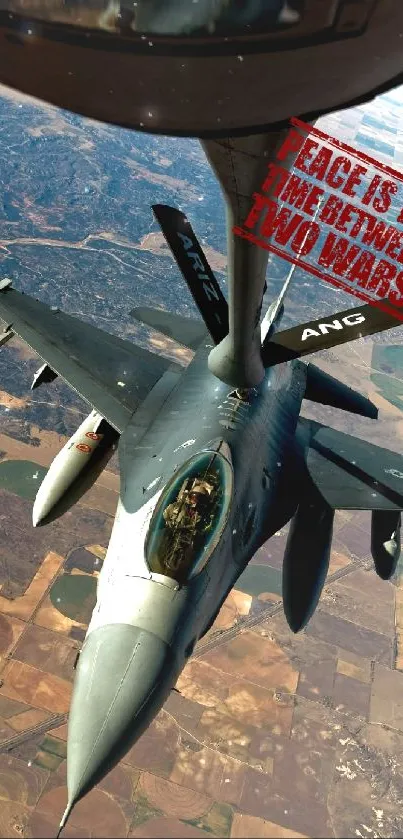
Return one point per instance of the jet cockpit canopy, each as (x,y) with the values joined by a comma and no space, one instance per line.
(190,517)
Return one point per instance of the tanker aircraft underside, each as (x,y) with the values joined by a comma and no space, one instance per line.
(209,472)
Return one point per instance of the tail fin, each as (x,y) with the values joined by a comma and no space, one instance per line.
(193,264)
(314,336)
(186,331)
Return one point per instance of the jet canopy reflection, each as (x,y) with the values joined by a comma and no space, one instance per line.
(190,517)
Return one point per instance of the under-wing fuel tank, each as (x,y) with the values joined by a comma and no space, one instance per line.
(306,559)
(75,469)
(385,541)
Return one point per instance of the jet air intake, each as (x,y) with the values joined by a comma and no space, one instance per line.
(75,469)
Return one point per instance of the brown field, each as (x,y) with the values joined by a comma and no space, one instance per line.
(103,498)
(259,828)
(41,690)
(9,401)
(155,243)
(260,659)
(22,558)
(22,349)
(50,445)
(271,734)
(28,719)
(47,651)
(49,617)
(10,630)
(24,606)
(237,605)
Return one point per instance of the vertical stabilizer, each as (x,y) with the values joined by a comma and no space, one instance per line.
(195,268)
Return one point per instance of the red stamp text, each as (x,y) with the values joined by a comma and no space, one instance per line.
(336,213)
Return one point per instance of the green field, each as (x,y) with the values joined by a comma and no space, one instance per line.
(74,595)
(21,477)
(389,380)
(259,579)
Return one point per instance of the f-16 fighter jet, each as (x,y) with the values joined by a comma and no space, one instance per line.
(216,458)
(208,474)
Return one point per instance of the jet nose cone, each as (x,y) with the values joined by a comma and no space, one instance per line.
(123,677)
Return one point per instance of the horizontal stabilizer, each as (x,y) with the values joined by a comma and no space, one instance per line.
(187,331)
(350,473)
(325,389)
(325,333)
(193,264)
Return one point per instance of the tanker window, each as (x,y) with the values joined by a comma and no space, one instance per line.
(190,517)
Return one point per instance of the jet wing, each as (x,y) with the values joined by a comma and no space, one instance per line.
(113,375)
(351,474)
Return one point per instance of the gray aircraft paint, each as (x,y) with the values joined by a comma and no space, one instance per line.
(268,452)
(129,594)
(145,625)
(234,102)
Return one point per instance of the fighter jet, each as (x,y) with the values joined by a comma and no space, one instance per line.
(209,473)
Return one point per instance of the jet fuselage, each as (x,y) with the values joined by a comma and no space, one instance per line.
(145,623)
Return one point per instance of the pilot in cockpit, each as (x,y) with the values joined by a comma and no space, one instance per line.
(190,506)
(187,524)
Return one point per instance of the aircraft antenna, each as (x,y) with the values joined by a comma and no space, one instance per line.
(273,310)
